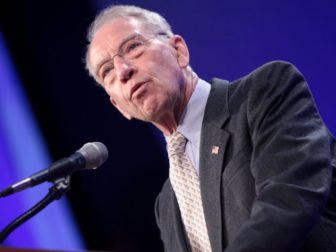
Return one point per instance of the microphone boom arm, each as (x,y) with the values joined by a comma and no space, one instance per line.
(60,187)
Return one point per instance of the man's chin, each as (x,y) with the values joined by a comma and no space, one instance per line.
(150,115)
(151,110)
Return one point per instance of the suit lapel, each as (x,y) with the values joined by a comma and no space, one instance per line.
(213,145)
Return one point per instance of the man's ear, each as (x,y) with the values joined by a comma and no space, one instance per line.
(122,111)
(181,50)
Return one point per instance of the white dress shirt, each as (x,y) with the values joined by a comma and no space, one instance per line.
(190,124)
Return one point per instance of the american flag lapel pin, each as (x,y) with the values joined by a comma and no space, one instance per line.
(215,150)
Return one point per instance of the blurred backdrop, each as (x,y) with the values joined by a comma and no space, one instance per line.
(49,106)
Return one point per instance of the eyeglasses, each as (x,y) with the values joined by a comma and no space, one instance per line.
(130,49)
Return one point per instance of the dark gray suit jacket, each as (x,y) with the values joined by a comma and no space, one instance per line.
(272,186)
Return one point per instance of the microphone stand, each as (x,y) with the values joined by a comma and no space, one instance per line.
(60,187)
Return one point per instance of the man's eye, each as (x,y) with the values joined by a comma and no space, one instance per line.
(106,71)
(131,47)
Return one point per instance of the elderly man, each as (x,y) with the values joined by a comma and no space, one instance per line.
(252,166)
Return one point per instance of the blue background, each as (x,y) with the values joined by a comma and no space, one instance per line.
(43,44)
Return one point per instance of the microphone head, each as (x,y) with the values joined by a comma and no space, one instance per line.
(95,154)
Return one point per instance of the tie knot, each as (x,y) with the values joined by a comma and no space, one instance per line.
(176,143)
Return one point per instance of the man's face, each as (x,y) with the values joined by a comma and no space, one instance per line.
(141,71)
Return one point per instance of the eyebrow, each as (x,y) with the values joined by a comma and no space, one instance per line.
(124,41)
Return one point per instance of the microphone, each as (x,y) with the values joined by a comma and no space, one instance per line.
(90,156)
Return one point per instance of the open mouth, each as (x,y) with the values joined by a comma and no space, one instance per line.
(136,90)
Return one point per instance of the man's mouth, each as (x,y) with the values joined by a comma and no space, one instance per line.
(136,89)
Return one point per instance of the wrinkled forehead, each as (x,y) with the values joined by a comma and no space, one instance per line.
(121,26)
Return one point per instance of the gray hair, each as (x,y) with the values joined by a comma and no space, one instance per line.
(153,19)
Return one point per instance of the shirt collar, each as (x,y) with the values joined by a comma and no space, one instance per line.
(191,121)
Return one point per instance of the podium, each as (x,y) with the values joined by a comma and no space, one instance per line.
(11,249)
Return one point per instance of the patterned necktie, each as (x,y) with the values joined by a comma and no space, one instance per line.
(186,186)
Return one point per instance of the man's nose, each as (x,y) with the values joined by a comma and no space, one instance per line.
(124,69)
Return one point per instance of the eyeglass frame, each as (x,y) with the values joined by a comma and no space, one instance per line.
(122,53)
